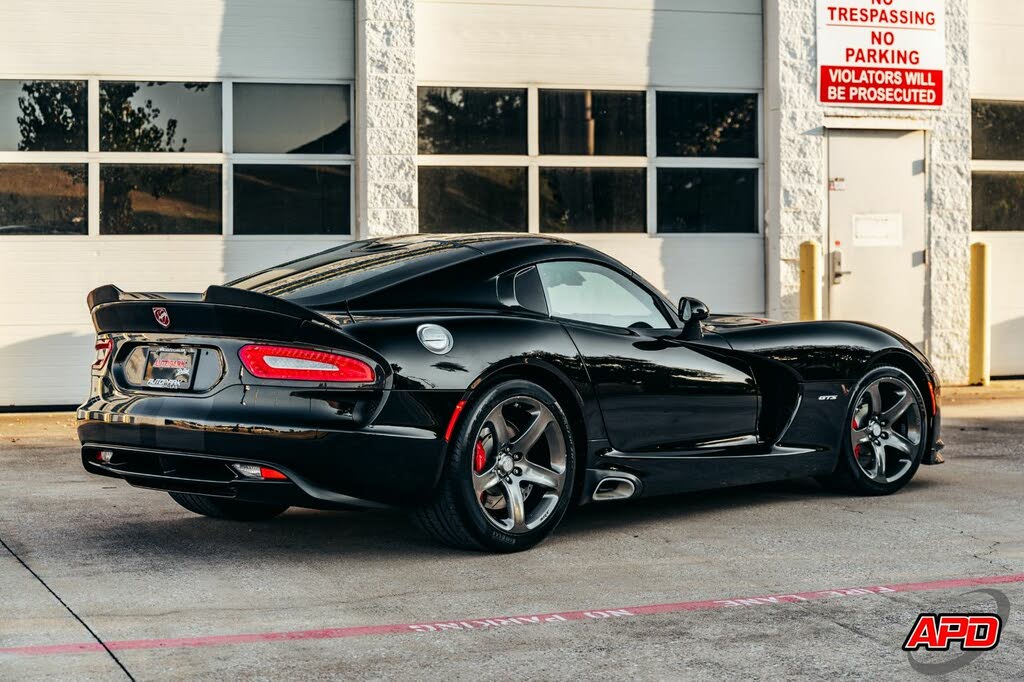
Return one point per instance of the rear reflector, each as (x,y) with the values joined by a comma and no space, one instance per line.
(303,364)
(453,419)
(259,473)
(272,474)
(103,347)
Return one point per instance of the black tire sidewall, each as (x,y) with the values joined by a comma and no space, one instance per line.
(460,459)
(857,477)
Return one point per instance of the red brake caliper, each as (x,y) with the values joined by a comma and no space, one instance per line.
(479,457)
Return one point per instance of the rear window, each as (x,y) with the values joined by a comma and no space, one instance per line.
(354,265)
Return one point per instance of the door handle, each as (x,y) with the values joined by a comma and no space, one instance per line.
(837,267)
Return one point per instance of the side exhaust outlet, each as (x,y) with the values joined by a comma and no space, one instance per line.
(614,488)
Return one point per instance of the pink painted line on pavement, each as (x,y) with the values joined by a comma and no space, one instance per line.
(489,623)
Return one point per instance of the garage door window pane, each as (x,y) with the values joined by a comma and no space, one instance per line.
(707,200)
(160,199)
(471,199)
(138,116)
(707,124)
(472,121)
(292,199)
(37,198)
(43,116)
(272,118)
(592,122)
(997,130)
(593,199)
(998,202)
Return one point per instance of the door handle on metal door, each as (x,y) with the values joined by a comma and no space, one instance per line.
(837,267)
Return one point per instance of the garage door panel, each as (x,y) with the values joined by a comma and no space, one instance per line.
(467,43)
(188,38)
(1006,250)
(46,334)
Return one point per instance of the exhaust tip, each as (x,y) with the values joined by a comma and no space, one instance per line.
(613,488)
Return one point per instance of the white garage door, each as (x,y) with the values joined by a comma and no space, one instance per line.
(997,94)
(260,95)
(630,125)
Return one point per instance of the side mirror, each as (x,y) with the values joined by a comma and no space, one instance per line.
(692,312)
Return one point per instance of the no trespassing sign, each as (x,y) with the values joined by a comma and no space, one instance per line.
(881,53)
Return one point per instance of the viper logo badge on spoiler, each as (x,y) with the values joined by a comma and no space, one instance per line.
(162,317)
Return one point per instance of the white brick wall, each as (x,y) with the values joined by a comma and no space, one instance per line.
(796,174)
(386,128)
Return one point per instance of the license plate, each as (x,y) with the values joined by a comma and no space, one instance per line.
(169,368)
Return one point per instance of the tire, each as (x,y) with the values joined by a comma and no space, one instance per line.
(476,506)
(901,437)
(220,508)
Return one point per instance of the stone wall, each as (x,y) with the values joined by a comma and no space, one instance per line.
(796,174)
(386,117)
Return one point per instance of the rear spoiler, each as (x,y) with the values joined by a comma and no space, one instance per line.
(218,310)
(214,295)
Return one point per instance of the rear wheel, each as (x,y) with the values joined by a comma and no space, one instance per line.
(220,508)
(885,435)
(509,475)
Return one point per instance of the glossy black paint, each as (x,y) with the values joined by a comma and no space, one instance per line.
(732,401)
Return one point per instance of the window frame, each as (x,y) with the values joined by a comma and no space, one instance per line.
(533,160)
(659,301)
(93,158)
(996,166)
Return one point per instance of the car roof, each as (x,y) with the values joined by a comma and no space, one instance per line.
(363,269)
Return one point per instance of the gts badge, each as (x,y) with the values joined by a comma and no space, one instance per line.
(828,397)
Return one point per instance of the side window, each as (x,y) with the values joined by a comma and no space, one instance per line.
(587,292)
(529,291)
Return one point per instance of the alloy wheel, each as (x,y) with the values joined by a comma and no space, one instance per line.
(886,431)
(519,464)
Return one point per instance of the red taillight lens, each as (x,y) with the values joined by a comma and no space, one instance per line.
(103,347)
(272,474)
(303,364)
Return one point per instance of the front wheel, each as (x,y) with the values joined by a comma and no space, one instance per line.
(509,476)
(885,435)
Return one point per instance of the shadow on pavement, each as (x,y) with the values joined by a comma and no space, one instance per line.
(391,535)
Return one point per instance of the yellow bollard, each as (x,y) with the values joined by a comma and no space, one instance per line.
(981,338)
(810,281)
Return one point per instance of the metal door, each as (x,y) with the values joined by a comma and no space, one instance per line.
(877,260)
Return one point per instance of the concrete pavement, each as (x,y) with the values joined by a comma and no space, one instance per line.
(132,565)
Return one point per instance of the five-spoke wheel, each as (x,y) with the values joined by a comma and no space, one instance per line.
(510,471)
(519,464)
(886,435)
(885,431)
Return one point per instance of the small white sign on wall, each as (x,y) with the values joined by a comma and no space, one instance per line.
(878,229)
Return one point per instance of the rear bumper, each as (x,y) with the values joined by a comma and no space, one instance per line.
(186,444)
(207,475)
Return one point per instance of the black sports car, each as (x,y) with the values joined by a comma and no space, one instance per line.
(487,382)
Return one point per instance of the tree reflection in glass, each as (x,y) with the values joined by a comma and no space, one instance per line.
(160,117)
(472,121)
(707,124)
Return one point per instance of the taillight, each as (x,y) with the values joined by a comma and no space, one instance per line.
(103,347)
(303,364)
(259,472)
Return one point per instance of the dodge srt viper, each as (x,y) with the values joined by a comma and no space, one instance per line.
(487,383)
